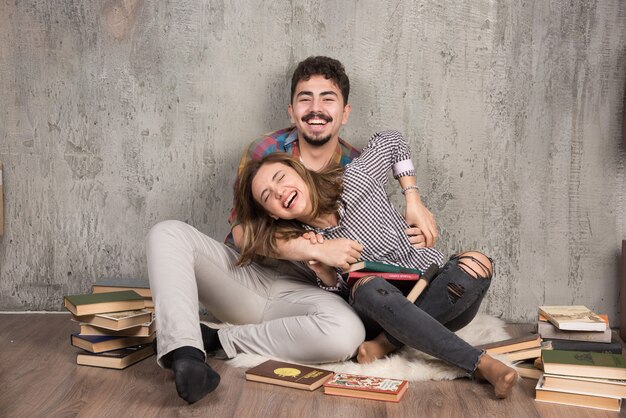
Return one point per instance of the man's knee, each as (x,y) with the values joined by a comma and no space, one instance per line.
(165,230)
(476,264)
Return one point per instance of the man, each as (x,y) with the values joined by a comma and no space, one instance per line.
(271,308)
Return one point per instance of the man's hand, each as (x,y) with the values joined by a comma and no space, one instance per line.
(422,223)
(327,274)
(313,237)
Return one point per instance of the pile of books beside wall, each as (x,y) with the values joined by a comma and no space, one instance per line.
(116,324)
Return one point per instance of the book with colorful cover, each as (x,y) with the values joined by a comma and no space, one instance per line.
(547,330)
(288,374)
(573,318)
(584,364)
(380,267)
(101,343)
(366,387)
(116,359)
(95,303)
(576,397)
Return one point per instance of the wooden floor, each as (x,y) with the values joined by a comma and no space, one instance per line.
(39,378)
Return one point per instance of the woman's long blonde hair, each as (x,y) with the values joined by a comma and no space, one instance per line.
(260,231)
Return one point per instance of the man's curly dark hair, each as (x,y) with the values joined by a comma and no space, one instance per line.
(330,68)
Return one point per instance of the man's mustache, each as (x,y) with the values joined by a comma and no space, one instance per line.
(318,115)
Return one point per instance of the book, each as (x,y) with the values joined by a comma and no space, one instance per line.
(576,398)
(101,343)
(610,387)
(117,359)
(95,303)
(527,370)
(353,276)
(614,346)
(366,387)
(584,364)
(142,330)
(288,374)
(380,267)
(116,320)
(511,344)
(548,331)
(141,286)
(528,353)
(573,318)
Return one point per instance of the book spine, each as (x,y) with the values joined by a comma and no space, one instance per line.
(385,275)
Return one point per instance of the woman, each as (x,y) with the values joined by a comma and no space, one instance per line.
(278,197)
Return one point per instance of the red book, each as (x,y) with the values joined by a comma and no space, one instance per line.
(353,276)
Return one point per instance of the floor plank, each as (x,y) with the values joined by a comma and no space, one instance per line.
(39,377)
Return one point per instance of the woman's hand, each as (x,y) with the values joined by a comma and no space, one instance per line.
(338,252)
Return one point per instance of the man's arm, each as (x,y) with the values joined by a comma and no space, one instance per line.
(423,231)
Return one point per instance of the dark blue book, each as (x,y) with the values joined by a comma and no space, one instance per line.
(102,343)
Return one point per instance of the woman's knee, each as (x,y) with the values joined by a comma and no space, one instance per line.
(476,264)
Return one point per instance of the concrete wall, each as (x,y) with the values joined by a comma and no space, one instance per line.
(117,114)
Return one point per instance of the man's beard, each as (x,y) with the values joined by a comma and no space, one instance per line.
(316,142)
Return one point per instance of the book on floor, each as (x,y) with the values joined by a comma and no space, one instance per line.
(614,346)
(528,353)
(288,374)
(116,321)
(573,318)
(101,343)
(584,364)
(511,344)
(353,276)
(116,359)
(380,267)
(366,387)
(141,330)
(527,369)
(95,303)
(576,398)
(594,386)
(548,331)
(141,286)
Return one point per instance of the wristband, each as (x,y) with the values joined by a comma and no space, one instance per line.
(411,187)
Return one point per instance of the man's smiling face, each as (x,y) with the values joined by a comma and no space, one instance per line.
(317,109)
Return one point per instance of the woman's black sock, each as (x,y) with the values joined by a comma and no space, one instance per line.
(194,378)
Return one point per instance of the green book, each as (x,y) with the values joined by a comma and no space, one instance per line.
(382,267)
(584,364)
(96,303)
(141,286)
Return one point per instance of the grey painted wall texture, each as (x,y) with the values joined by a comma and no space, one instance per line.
(115,115)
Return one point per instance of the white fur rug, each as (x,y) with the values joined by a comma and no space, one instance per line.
(408,363)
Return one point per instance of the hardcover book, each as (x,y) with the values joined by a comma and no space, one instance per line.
(353,276)
(548,330)
(584,364)
(381,267)
(117,359)
(142,330)
(116,320)
(101,343)
(576,398)
(527,370)
(609,387)
(95,303)
(288,374)
(573,318)
(528,353)
(366,387)
(511,344)
(141,286)
(614,346)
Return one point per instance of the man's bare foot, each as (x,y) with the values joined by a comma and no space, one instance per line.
(374,349)
(501,376)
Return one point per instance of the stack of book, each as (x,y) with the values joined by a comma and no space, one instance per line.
(593,380)
(404,278)
(521,351)
(115,328)
(577,328)
(142,287)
